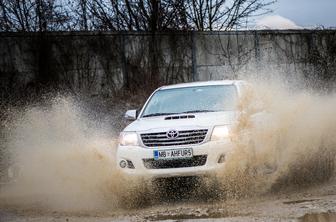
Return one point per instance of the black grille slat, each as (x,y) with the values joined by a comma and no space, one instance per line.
(176,140)
(185,137)
(192,134)
(177,163)
(174,144)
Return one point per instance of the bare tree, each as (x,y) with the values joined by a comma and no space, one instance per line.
(161,15)
(81,18)
(127,15)
(17,15)
(32,15)
(83,14)
(138,15)
(223,14)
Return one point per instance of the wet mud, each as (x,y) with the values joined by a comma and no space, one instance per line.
(318,217)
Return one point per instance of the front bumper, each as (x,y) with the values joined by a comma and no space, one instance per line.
(136,154)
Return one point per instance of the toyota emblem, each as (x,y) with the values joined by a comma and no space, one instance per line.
(172,134)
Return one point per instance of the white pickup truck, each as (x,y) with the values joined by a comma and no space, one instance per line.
(182,130)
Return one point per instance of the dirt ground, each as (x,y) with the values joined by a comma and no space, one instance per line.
(314,203)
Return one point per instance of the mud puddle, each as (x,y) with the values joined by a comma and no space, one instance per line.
(319,217)
(198,214)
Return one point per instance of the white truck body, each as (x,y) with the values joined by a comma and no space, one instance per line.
(178,144)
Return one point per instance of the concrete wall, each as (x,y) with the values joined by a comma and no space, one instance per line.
(104,63)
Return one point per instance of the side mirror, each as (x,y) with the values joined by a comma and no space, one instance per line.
(131,114)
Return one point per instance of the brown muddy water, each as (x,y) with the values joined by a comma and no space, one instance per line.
(285,142)
(319,217)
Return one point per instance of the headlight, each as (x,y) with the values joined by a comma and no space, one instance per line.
(128,139)
(220,132)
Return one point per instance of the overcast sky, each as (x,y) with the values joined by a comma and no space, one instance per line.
(307,13)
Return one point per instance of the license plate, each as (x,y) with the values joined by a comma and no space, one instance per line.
(173,154)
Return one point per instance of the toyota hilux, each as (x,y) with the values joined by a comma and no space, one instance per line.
(182,130)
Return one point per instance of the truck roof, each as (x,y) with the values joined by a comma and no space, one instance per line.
(202,83)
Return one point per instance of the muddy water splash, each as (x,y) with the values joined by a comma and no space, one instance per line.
(64,163)
(283,137)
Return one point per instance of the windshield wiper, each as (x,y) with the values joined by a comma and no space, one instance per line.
(158,114)
(199,111)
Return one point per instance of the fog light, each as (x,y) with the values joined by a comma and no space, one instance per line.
(123,164)
(221,158)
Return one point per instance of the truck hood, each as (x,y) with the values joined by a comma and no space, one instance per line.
(201,120)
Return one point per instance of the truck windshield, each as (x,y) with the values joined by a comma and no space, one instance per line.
(212,98)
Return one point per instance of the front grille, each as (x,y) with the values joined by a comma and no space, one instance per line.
(177,163)
(185,137)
